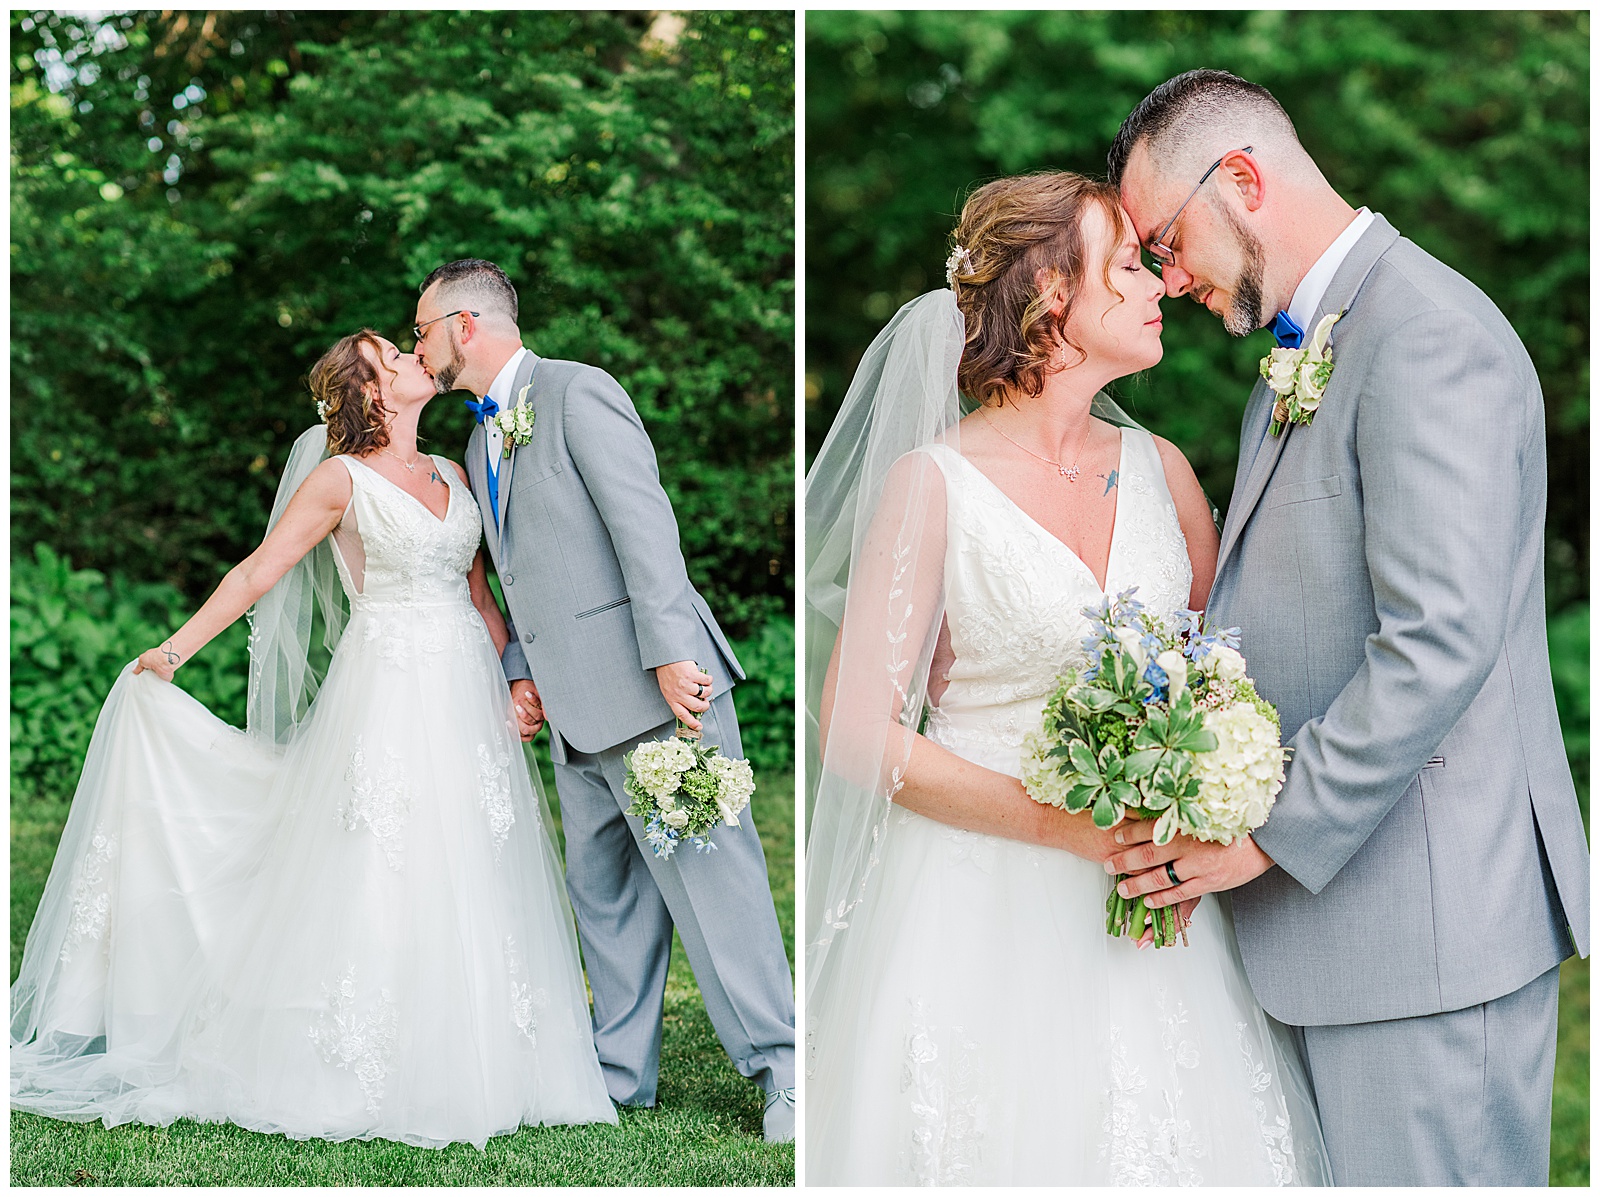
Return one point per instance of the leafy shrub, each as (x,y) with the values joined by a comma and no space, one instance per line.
(1569,668)
(209,209)
(72,632)
(765,699)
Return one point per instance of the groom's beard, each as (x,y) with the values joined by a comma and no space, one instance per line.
(1243,315)
(444,378)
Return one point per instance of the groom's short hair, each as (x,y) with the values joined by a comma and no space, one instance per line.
(473,283)
(1187,116)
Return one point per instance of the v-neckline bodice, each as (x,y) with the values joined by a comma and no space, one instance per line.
(450,497)
(1116,518)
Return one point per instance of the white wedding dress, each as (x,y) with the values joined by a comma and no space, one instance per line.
(1008,1040)
(361,935)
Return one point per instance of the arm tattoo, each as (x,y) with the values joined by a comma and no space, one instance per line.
(1111,480)
(172,657)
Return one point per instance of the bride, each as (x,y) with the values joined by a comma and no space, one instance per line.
(969,1019)
(349,921)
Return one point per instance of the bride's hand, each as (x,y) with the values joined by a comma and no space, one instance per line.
(163,661)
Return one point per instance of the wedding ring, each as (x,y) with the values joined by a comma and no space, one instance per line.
(1172,874)
(699,689)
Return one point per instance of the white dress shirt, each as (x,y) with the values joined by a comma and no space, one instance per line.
(1303,307)
(500,392)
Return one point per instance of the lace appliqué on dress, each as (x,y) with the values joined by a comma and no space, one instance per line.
(91,896)
(1276,1134)
(381,801)
(942,1078)
(526,1001)
(1158,1148)
(494,794)
(363,1045)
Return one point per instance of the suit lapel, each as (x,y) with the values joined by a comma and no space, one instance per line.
(478,479)
(523,376)
(1252,435)
(1341,293)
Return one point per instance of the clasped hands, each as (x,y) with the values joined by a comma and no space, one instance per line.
(1202,868)
(685,686)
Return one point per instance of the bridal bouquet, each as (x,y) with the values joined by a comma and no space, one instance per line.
(1161,724)
(682,790)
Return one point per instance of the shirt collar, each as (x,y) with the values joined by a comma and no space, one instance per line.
(500,388)
(1308,295)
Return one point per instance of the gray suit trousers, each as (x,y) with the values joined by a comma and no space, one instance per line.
(627,901)
(1459,1098)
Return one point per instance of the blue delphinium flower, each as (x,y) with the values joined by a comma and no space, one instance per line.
(660,837)
(1157,677)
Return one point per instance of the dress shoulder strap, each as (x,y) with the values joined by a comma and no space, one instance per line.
(1145,460)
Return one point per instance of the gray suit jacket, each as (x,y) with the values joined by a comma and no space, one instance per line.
(1386,565)
(586,547)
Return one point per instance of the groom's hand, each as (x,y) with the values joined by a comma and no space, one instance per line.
(1202,868)
(687,689)
(528,707)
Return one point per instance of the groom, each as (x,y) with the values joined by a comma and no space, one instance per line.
(1424,871)
(604,619)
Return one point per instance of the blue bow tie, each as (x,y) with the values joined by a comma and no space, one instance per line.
(1288,334)
(482,409)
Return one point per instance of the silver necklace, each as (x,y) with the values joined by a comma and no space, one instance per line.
(1070,473)
(412,465)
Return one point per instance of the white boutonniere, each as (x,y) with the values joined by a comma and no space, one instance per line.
(516,422)
(1298,377)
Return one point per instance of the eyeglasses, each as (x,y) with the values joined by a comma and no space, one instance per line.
(416,329)
(1162,253)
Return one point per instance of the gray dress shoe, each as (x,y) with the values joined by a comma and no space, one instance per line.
(778,1123)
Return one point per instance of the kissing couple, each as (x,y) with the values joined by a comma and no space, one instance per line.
(349,921)
(1370,996)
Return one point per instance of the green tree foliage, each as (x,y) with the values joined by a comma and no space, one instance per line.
(203,202)
(1468,130)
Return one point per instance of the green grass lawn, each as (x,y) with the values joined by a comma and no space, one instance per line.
(1569,1120)
(705,1129)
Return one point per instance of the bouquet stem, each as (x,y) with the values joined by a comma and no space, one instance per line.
(1128,917)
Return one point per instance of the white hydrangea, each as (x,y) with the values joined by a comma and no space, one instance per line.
(1241,778)
(735,783)
(1040,775)
(657,766)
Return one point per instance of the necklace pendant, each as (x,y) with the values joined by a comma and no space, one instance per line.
(1071,475)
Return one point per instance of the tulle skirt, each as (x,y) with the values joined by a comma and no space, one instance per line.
(361,935)
(997,1035)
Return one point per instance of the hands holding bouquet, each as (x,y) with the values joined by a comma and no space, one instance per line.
(1162,725)
(683,789)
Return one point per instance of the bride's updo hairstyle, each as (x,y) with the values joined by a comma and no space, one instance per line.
(1010,231)
(344,382)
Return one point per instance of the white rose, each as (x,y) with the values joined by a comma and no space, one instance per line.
(1177,671)
(1281,369)
(1132,647)
(1310,389)
(675,818)
(1223,662)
